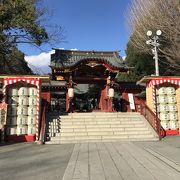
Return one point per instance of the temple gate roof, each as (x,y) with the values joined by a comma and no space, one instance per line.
(62,59)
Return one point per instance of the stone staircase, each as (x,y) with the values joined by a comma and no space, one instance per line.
(99,127)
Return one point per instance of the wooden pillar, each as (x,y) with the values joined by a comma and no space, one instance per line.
(103,104)
(109,85)
(67,102)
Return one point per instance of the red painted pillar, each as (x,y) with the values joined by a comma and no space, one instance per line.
(110,105)
(67,102)
(104,103)
(109,99)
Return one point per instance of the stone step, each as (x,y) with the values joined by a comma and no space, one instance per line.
(100,119)
(95,116)
(101,133)
(103,126)
(98,115)
(103,113)
(100,122)
(99,137)
(102,140)
(100,127)
(95,128)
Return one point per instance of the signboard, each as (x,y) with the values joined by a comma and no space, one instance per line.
(131,101)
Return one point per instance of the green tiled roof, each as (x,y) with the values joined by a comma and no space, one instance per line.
(69,58)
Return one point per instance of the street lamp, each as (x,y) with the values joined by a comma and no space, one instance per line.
(154,42)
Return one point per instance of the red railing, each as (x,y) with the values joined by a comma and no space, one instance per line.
(153,120)
(43,124)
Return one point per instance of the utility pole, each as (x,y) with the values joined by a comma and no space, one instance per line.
(154,42)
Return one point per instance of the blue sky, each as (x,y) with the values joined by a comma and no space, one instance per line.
(88,24)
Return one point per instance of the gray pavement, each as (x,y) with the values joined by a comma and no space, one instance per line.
(92,161)
(29,161)
(121,161)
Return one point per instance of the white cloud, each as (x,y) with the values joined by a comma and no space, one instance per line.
(41,61)
(74,49)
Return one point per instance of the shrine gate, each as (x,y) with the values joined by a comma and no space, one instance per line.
(95,69)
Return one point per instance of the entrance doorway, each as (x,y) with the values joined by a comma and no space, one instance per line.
(87,97)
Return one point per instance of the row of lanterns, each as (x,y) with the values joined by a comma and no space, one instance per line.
(22,109)
(167,107)
(22,91)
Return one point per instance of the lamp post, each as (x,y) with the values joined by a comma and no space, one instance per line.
(154,42)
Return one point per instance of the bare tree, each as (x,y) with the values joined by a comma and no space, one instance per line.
(153,15)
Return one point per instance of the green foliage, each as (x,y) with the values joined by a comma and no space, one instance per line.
(142,64)
(19,23)
(14,63)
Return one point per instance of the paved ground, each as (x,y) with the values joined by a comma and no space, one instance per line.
(93,161)
(27,161)
(120,161)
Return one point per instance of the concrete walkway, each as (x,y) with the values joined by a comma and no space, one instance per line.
(92,161)
(121,161)
(29,161)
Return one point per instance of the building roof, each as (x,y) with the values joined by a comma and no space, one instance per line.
(146,79)
(68,58)
(43,78)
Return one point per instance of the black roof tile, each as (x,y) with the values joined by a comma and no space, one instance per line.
(69,58)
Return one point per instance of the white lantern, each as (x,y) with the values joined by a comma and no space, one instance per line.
(161,91)
(162,99)
(32,101)
(32,110)
(162,108)
(71,92)
(21,130)
(170,90)
(164,116)
(23,101)
(173,116)
(171,99)
(31,120)
(21,120)
(22,110)
(173,125)
(172,107)
(32,91)
(165,125)
(111,92)
(31,130)
(23,91)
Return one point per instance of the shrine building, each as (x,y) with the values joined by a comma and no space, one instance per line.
(90,78)
(82,101)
